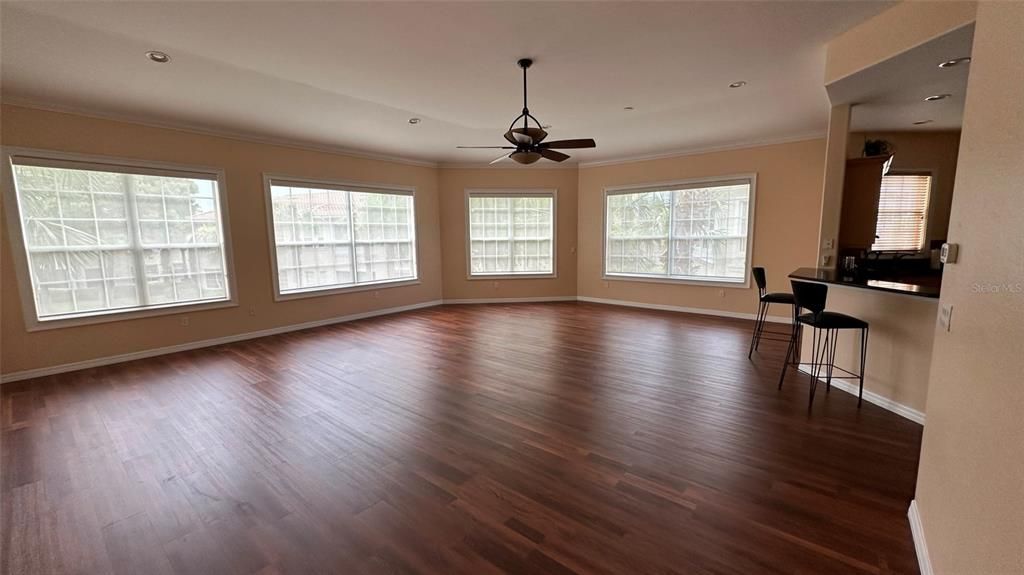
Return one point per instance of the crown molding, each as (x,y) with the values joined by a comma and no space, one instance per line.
(342,151)
(819,135)
(509,166)
(217,133)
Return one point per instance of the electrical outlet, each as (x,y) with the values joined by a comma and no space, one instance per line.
(829,244)
(721,293)
(252,310)
(946,316)
(184,321)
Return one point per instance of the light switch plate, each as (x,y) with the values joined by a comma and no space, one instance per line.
(948,253)
(946,316)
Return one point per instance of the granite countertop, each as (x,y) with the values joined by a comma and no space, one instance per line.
(911,285)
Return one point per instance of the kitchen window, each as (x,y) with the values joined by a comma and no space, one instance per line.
(696,231)
(99,239)
(511,233)
(332,236)
(902,212)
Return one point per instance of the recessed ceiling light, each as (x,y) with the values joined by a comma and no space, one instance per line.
(629,108)
(739,84)
(937,97)
(955,62)
(158,56)
(414,121)
(922,122)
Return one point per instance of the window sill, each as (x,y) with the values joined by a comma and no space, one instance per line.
(33,324)
(505,276)
(744,284)
(278,296)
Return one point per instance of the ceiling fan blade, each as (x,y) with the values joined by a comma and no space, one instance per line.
(499,158)
(553,155)
(486,147)
(567,144)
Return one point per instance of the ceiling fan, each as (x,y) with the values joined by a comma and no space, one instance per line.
(528,142)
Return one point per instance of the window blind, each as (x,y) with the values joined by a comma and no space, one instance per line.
(902,212)
(687,233)
(511,234)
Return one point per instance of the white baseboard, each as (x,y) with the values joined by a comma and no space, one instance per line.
(511,299)
(871,397)
(112,359)
(924,560)
(696,310)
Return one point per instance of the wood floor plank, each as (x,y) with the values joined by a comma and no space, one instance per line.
(564,438)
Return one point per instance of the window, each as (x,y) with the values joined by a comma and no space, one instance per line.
(511,233)
(100,238)
(902,212)
(332,236)
(684,231)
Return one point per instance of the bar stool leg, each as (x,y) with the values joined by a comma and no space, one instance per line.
(756,336)
(863,362)
(790,350)
(831,361)
(799,335)
(761,324)
(817,339)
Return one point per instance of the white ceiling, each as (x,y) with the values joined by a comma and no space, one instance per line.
(350,75)
(890,96)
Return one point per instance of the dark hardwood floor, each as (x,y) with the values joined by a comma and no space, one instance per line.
(526,438)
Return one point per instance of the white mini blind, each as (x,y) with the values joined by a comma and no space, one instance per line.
(902,212)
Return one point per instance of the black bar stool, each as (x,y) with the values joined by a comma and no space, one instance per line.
(765,299)
(812,296)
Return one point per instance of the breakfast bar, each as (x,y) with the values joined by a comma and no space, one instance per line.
(902,313)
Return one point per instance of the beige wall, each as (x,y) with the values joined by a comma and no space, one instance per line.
(932,151)
(789,180)
(454,182)
(898,29)
(970,489)
(832,186)
(243,163)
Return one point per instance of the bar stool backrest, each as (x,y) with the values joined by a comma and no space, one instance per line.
(759,278)
(810,296)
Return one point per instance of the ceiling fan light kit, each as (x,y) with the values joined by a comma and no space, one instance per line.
(527,141)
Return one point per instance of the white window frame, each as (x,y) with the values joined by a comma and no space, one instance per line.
(748,178)
(513,193)
(271,179)
(108,163)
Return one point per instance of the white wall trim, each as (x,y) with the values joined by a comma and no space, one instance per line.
(343,151)
(742,145)
(510,299)
(676,308)
(885,403)
(924,560)
(112,359)
(143,354)
(567,165)
(217,132)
